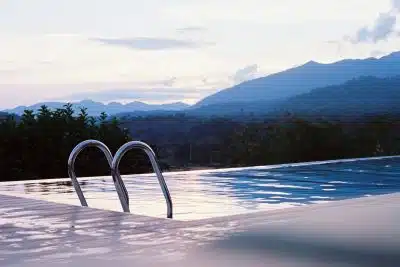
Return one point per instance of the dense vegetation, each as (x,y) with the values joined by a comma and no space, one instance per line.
(38,145)
(187,141)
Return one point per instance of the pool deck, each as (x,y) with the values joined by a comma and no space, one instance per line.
(356,232)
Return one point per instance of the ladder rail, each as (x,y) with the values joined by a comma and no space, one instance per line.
(119,184)
(153,160)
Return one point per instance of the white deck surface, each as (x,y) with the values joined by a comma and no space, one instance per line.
(358,232)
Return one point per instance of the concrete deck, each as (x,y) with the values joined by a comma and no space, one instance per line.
(357,232)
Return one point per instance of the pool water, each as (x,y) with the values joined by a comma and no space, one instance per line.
(212,193)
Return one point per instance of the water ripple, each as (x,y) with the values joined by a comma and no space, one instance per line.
(208,194)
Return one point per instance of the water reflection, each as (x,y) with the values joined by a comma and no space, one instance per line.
(328,181)
(216,193)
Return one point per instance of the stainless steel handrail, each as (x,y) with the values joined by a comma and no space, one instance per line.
(119,184)
(152,156)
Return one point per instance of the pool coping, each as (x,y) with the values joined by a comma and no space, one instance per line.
(119,238)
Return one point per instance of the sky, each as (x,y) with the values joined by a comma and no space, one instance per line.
(159,51)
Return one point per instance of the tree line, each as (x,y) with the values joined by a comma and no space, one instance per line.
(223,142)
(37,145)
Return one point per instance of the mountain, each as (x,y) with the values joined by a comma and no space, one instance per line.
(260,107)
(95,108)
(304,78)
(361,96)
(3,115)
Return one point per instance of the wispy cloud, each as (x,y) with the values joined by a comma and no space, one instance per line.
(396,5)
(383,27)
(146,43)
(7,72)
(141,94)
(338,45)
(192,29)
(246,73)
(169,82)
(213,83)
(381,30)
(377,53)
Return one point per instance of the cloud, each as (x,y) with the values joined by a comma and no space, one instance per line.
(381,30)
(8,72)
(141,94)
(246,73)
(168,82)
(145,43)
(338,45)
(214,83)
(383,27)
(192,29)
(164,83)
(396,5)
(377,53)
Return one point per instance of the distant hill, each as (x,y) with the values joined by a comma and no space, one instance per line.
(303,79)
(361,96)
(357,97)
(261,107)
(3,115)
(95,108)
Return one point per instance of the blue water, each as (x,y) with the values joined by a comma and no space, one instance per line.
(205,194)
(304,184)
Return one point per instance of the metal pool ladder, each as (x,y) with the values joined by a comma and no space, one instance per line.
(114,165)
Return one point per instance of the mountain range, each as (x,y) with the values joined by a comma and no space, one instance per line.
(359,96)
(303,79)
(370,85)
(366,95)
(347,87)
(96,108)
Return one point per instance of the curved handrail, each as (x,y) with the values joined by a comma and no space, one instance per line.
(152,156)
(119,185)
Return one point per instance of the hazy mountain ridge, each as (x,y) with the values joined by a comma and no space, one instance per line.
(360,96)
(3,114)
(364,95)
(303,79)
(357,97)
(95,108)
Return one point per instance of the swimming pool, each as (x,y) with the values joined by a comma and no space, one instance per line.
(212,193)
